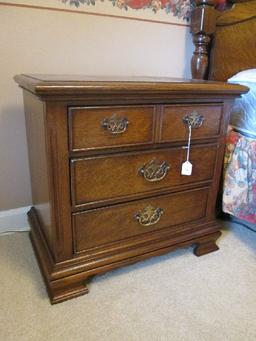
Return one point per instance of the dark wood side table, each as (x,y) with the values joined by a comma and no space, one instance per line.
(106,159)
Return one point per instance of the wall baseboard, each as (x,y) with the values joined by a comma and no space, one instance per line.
(14,220)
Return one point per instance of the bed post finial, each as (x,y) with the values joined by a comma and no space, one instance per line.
(203,21)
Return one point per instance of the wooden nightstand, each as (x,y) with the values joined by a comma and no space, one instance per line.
(105,159)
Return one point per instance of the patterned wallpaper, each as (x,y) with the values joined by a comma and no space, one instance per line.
(175,12)
(178,8)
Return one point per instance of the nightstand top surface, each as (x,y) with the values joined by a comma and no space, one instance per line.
(53,85)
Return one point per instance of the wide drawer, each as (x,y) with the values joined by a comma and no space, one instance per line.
(103,178)
(204,119)
(103,127)
(94,228)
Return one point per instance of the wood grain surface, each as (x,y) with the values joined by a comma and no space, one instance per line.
(86,130)
(101,179)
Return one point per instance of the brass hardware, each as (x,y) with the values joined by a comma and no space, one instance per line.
(194,120)
(115,125)
(154,170)
(149,216)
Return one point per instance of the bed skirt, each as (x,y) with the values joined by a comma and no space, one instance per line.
(239,177)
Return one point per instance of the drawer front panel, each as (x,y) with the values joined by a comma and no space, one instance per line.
(102,127)
(108,177)
(205,120)
(94,228)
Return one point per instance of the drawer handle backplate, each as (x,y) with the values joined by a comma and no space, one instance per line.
(194,120)
(154,170)
(149,216)
(115,124)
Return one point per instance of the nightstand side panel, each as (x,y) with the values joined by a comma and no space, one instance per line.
(38,162)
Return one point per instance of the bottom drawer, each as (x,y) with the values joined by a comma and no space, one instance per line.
(97,227)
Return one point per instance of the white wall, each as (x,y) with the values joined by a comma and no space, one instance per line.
(44,41)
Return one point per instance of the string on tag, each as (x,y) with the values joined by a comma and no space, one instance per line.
(189,141)
(187,166)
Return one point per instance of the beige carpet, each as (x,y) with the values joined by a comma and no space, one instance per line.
(169,298)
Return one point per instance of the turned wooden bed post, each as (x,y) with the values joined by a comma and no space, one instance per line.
(203,22)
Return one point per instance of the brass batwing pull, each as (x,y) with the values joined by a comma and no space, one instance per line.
(154,170)
(194,120)
(115,125)
(149,216)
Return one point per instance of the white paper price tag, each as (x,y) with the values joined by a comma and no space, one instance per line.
(186,168)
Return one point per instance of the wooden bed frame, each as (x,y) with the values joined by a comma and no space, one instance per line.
(225,44)
(225,41)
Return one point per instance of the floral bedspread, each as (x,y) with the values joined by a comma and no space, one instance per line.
(239,185)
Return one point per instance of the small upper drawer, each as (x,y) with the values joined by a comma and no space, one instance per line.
(103,127)
(205,120)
